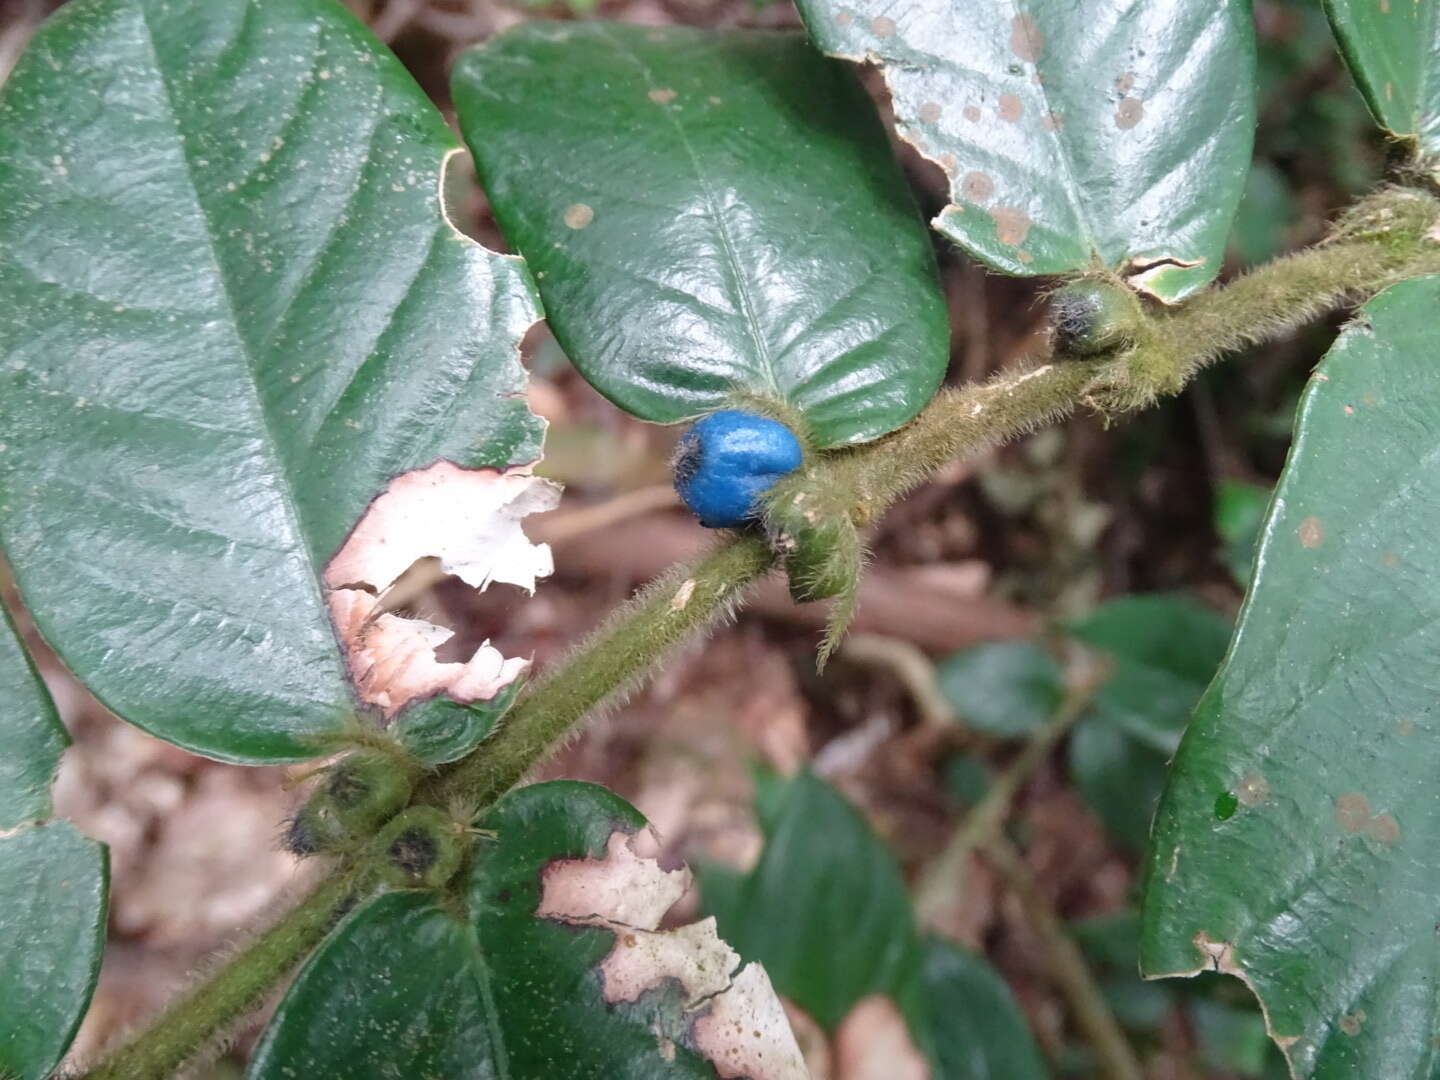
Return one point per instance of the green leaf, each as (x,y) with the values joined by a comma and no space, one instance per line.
(233,309)
(441,731)
(979,1032)
(1393,50)
(1267,210)
(546,965)
(53,888)
(1239,516)
(853,935)
(1294,846)
(706,212)
(1119,777)
(1005,688)
(31,735)
(1118,130)
(1163,650)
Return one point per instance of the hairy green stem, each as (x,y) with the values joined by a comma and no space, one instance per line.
(620,652)
(214,1004)
(1387,237)
(1392,235)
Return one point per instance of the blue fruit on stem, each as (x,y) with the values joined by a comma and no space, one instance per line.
(728,460)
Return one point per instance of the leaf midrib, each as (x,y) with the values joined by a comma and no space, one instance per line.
(732,262)
(266,430)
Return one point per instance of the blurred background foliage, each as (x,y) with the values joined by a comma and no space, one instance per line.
(936,844)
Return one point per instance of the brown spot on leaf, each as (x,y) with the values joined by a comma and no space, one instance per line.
(1219,954)
(1389,91)
(844,18)
(579,215)
(930,112)
(1352,813)
(1026,40)
(1125,82)
(1311,532)
(662,96)
(882,26)
(1252,790)
(874,1041)
(1405,726)
(1351,1023)
(1384,7)
(948,163)
(1025,256)
(977,187)
(972,113)
(1383,829)
(1010,108)
(1390,560)
(1128,113)
(1012,226)
(1051,121)
(1349,410)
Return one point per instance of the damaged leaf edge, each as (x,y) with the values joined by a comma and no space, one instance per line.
(1141,272)
(1218,956)
(400,669)
(519,669)
(739,996)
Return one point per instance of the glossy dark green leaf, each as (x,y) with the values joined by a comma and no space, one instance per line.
(53,888)
(1393,49)
(397,990)
(1117,130)
(853,935)
(1295,844)
(512,979)
(709,211)
(979,1032)
(231,309)
(1005,688)
(31,735)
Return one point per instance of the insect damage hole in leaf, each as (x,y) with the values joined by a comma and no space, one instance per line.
(468,521)
(733,1014)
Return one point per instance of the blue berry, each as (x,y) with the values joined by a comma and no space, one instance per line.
(728,460)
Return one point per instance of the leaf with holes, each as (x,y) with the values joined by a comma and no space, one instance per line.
(1294,846)
(233,309)
(54,885)
(850,956)
(1393,50)
(709,212)
(31,735)
(551,965)
(1117,131)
